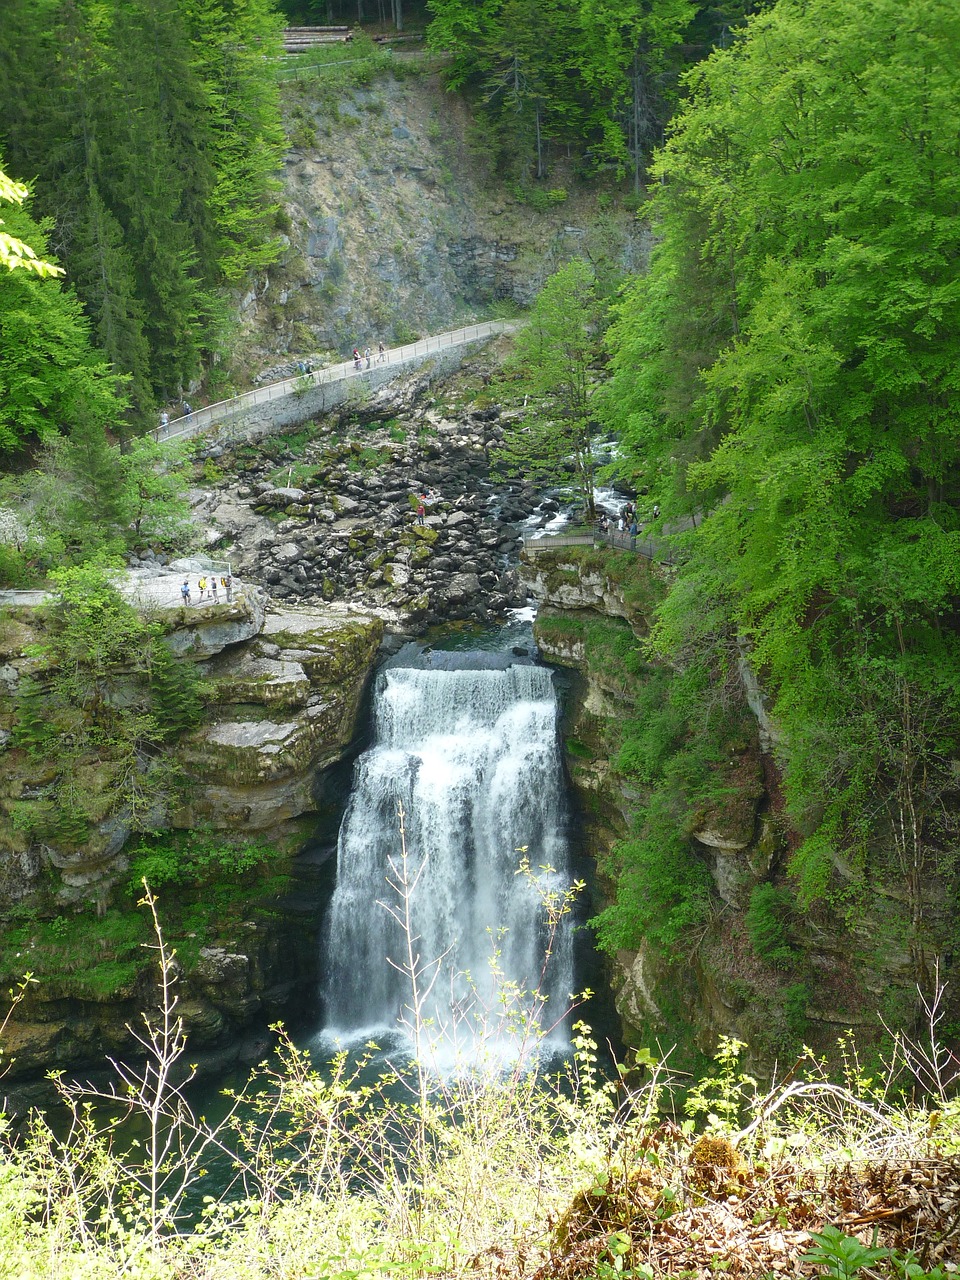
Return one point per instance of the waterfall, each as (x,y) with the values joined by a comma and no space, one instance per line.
(468,744)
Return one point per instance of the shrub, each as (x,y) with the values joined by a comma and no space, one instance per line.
(768,925)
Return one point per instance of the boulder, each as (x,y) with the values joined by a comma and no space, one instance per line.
(461,587)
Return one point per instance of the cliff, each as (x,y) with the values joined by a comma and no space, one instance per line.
(278,693)
(690,834)
(393,227)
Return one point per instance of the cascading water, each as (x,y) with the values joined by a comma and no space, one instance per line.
(468,745)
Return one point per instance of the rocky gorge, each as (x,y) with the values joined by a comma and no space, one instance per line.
(831,973)
(330,513)
(282,692)
(328,553)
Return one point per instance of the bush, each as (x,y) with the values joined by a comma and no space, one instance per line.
(768,925)
(194,858)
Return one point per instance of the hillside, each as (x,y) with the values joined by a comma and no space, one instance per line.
(395,227)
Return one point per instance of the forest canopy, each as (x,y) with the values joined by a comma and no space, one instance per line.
(150,133)
(789,370)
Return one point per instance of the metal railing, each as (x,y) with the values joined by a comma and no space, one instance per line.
(652,548)
(199,420)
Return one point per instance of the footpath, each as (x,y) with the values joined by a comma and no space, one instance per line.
(293,401)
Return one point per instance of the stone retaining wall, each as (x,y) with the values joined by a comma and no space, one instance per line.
(292,402)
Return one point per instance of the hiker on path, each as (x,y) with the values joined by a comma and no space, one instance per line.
(228,587)
(356,358)
(633,534)
(186,408)
(366,355)
(202,585)
(185,591)
(213,589)
(381,353)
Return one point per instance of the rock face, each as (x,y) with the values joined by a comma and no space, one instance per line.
(394,232)
(282,690)
(842,969)
(284,707)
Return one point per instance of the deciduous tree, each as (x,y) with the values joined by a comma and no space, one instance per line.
(554,369)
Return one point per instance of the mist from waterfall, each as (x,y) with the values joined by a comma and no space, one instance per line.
(472,755)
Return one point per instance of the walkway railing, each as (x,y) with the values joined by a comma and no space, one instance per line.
(199,420)
(652,548)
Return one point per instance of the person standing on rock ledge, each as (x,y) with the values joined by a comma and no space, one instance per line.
(421,508)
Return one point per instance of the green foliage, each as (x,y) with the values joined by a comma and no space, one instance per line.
(796,999)
(51,378)
(89,498)
(16,254)
(663,889)
(843,1256)
(90,955)
(786,372)
(551,370)
(154,133)
(723,1095)
(176,692)
(107,699)
(768,925)
(591,73)
(194,858)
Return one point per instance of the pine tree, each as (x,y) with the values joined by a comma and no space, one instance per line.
(102,260)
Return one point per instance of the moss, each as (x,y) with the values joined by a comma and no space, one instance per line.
(77,955)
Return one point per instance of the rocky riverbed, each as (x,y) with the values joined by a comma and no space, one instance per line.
(330,514)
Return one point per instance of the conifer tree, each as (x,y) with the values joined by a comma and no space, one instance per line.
(115,309)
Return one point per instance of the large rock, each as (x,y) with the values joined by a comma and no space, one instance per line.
(205,629)
(575,587)
(461,587)
(288,707)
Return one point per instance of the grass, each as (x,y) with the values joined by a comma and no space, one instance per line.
(79,952)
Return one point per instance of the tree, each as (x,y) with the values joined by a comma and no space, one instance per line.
(791,364)
(554,367)
(155,506)
(624,57)
(14,252)
(153,129)
(51,377)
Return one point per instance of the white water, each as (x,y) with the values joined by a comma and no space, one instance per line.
(474,759)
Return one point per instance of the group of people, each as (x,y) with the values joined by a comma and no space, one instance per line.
(186,408)
(208,586)
(358,359)
(627,522)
